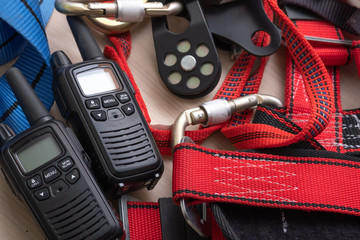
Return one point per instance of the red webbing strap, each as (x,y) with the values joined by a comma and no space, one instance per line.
(341,132)
(297,108)
(240,83)
(318,87)
(145,223)
(305,183)
(144,220)
(297,104)
(330,54)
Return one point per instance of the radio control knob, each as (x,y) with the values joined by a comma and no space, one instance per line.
(59,60)
(5,133)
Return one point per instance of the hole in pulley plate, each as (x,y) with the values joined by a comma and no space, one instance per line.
(259,34)
(177,24)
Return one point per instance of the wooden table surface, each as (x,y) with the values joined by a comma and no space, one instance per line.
(17,223)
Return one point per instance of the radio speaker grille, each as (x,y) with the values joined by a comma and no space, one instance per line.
(128,145)
(80,218)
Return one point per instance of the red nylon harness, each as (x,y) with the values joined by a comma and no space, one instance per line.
(312,119)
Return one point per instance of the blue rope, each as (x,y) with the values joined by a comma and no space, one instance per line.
(22,34)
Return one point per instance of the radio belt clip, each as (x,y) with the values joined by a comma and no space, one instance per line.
(211,113)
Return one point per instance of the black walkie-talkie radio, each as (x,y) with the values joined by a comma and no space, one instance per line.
(46,167)
(96,97)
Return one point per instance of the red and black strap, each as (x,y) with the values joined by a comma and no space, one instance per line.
(298,179)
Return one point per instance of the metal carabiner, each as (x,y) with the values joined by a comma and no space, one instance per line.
(211,113)
(117,16)
(77,8)
(113,26)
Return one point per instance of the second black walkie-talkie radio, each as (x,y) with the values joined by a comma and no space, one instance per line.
(97,99)
(46,167)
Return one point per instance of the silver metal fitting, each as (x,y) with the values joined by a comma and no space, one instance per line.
(130,10)
(76,8)
(215,112)
(218,111)
(123,12)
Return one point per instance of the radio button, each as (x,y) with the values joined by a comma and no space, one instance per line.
(42,194)
(58,187)
(34,182)
(115,114)
(128,109)
(65,164)
(51,174)
(123,97)
(109,101)
(93,103)
(98,115)
(73,176)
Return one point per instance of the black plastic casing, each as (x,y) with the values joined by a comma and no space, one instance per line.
(123,152)
(73,211)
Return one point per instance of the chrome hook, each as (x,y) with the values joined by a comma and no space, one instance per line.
(125,12)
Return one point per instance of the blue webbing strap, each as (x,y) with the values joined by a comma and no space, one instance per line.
(22,32)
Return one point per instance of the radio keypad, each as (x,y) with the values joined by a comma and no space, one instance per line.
(34,182)
(73,176)
(65,164)
(51,174)
(59,186)
(128,109)
(50,177)
(42,194)
(109,101)
(98,115)
(123,97)
(115,114)
(93,103)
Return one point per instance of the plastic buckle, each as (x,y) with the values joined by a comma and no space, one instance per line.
(211,113)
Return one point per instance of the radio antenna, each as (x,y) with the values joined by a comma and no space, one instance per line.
(33,108)
(85,41)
